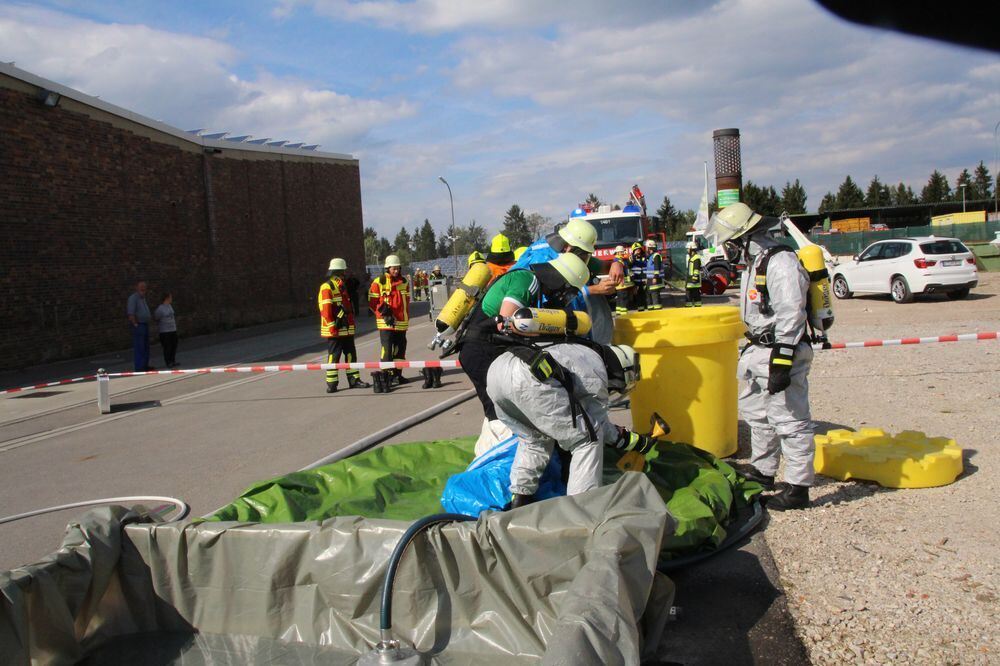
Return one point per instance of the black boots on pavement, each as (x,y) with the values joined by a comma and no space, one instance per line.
(788,498)
(432,377)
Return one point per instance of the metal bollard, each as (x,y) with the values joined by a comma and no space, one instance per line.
(103,391)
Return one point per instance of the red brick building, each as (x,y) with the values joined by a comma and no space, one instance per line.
(94,197)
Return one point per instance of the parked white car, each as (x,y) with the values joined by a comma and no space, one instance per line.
(903,267)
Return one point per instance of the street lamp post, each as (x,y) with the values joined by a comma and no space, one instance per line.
(996,159)
(963,196)
(454,236)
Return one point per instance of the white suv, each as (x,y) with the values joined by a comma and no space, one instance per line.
(903,267)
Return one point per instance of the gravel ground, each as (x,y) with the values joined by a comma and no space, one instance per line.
(876,575)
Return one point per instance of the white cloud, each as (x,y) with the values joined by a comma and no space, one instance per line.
(186,80)
(437,16)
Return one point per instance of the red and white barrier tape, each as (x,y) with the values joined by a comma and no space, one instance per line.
(964,337)
(388,365)
(370,365)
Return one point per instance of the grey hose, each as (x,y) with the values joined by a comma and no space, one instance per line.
(181,505)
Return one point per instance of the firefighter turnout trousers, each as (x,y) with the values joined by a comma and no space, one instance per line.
(393,345)
(342,347)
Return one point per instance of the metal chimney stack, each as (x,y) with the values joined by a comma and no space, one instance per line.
(728,166)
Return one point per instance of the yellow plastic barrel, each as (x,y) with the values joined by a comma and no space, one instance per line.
(688,359)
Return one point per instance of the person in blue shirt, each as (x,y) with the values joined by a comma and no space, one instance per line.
(578,236)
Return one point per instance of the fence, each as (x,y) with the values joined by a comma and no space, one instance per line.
(854,243)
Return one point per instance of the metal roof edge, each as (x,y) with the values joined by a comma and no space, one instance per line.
(9,69)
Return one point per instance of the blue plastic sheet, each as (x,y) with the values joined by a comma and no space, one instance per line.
(485,484)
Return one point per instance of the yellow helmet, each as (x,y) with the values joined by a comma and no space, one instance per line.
(636,246)
(519,251)
(579,233)
(393,260)
(500,244)
(476,258)
(731,222)
(573,269)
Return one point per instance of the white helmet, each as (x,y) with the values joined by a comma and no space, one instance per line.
(619,249)
(393,260)
(622,363)
(650,244)
(691,245)
(337,264)
(572,268)
(579,233)
(731,222)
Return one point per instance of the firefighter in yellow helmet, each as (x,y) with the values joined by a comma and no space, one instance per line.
(500,258)
(637,268)
(475,258)
(692,283)
(623,290)
(389,300)
(336,316)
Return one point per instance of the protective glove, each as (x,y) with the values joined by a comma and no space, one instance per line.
(341,314)
(386,313)
(633,441)
(779,376)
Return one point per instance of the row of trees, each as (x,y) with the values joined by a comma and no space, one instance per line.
(424,243)
(522,229)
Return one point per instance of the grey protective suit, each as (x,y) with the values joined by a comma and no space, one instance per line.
(780,424)
(539,413)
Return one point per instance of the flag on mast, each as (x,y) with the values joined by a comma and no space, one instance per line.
(701,220)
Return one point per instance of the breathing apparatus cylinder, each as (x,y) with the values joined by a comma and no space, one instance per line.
(460,303)
(820,306)
(546,321)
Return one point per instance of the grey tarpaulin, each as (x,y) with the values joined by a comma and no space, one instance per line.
(566,581)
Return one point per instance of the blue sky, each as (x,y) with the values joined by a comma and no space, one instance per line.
(531,102)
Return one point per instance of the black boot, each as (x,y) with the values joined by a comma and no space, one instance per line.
(331,388)
(437,377)
(378,382)
(355,382)
(400,379)
(427,373)
(750,473)
(517,500)
(790,497)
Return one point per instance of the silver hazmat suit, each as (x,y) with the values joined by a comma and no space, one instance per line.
(780,424)
(539,413)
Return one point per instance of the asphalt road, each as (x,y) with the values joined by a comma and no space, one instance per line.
(205,438)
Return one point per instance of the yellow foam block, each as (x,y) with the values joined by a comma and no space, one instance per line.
(910,459)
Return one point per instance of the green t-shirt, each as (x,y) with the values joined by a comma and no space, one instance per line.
(518,286)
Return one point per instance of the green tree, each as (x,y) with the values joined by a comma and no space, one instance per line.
(473,237)
(877,194)
(936,189)
(371,245)
(383,250)
(424,242)
(593,201)
(849,195)
(981,183)
(515,227)
(763,200)
(403,246)
(964,178)
(538,226)
(667,219)
(828,203)
(793,198)
(902,195)
(451,242)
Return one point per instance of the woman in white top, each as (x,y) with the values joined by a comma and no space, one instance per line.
(167,325)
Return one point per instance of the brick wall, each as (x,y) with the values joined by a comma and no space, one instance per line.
(87,206)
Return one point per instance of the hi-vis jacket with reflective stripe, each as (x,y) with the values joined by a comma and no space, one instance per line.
(336,316)
(395,294)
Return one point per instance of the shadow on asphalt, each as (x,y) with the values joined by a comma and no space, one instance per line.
(134,406)
(731,613)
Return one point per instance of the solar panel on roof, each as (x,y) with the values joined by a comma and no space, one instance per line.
(311,146)
(259,142)
(294,145)
(277,144)
(239,139)
(216,135)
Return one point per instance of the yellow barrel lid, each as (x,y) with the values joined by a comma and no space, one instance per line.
(679,327)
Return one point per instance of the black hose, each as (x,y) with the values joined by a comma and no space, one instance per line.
(397,554)
(694,558)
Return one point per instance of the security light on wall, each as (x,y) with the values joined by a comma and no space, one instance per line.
(49,97)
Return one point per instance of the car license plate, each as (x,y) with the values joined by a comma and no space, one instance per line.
(951,262)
